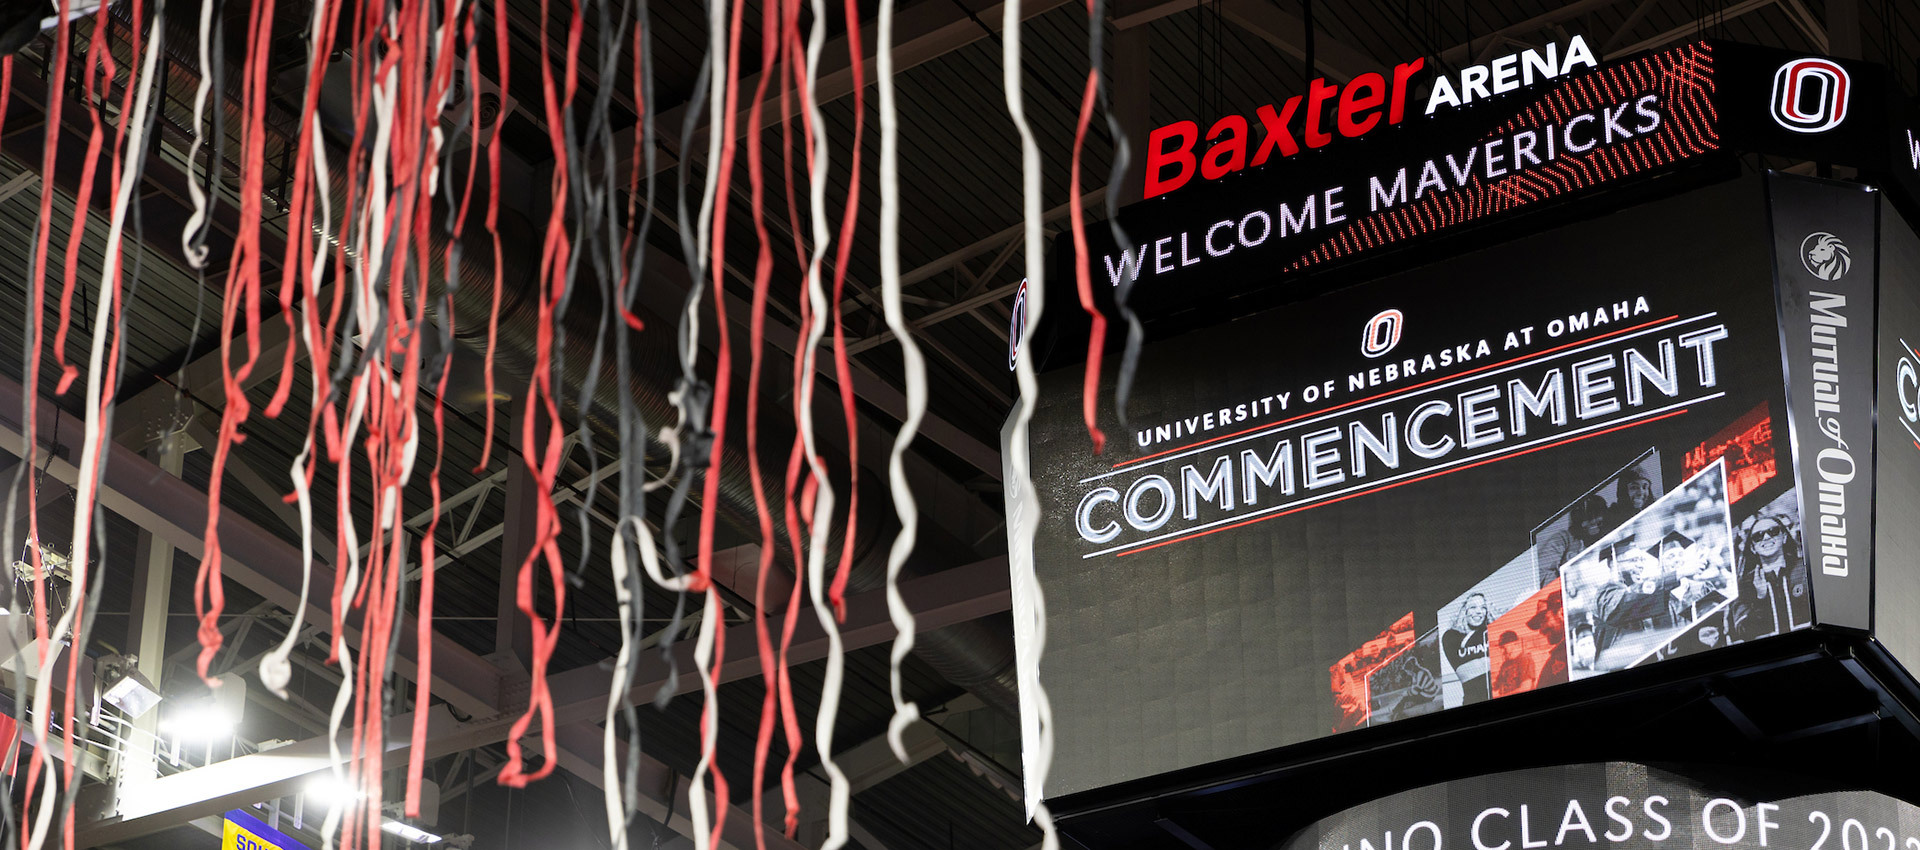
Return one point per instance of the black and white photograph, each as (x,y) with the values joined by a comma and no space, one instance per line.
(1709,633)
(1598,511)
(1408,684)
(1657,575)
(1771,563)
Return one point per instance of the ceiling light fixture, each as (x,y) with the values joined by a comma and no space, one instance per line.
(410,833)
(125,688)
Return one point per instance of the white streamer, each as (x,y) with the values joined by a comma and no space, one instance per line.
(838,789)
(336,761)
(904,713)
(617,695)
(716,102)
(1029,610)
(709,725)
(87,484)
(197,256)
(343,699)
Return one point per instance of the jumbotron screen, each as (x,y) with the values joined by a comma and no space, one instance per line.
(1536,463)
(1618,805)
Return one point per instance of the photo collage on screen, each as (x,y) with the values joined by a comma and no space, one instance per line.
(1629,573)
(1465,661)
(1349,674)
(1408,684)
(1770,577)
(1598,511)
(1747,447)
(1658,574)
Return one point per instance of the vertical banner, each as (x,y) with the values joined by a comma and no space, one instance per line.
(1824,246)
(1896,592)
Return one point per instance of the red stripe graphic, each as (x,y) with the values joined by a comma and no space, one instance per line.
(1427,383)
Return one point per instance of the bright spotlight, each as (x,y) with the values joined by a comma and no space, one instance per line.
(328,791)
(199,722)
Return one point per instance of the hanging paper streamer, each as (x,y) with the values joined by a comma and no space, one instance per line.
(366,151)
(1029,614)
(904,712)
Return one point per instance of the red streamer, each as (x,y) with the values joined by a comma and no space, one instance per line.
(544,445)
(1097,336)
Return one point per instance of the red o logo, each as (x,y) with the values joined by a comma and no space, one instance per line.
(1382,334)
(1810,95)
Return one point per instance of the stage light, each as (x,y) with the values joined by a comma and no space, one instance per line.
(125,688)
(328,791)
(406,832)
(199,722)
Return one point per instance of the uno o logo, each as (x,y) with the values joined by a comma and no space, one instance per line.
(1016,325)
(1810,95)
(1382,334)
(1907,386)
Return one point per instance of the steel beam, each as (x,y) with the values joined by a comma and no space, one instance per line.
(1639,11)
(669,301)
(151,413)
(936,317)
(1284,30)
(1842,13)
(663,794)
(177,511)
(1460,53)
(922,33)
(137,762)
(939,600)
(872,761)
(180,798)
(263,490)
(1694,28)
(1092,200)
(1268,22)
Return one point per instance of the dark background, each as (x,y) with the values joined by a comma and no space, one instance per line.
(1897,470)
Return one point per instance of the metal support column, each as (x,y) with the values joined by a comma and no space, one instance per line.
(147,632)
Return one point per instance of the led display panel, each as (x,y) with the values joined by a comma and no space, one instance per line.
(1233,213)
(1617,805)
(1538,463)
(1896,590)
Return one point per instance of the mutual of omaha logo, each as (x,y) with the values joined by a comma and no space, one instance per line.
(1015,325)
(1810,95)
(1825,256)
(1382,333)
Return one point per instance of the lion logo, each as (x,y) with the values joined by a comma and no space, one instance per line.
(1825,256)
